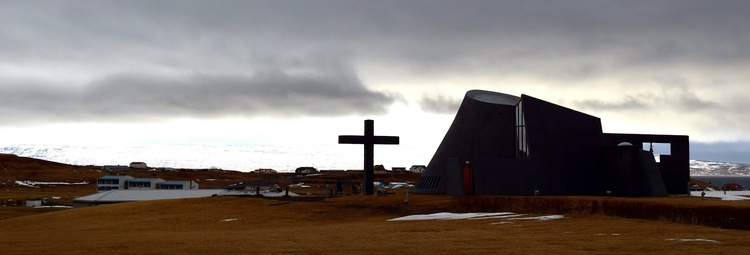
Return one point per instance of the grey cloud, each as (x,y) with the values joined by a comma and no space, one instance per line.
(736,151)
(691,102)
(676,99)
(130,96)
(629,103)
(439,104)
(222,48)
(677,93)
(428,36)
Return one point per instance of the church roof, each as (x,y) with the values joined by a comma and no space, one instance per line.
(493,97)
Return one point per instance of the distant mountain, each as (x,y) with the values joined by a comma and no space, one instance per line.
(242,158)
(176,156)
(711,168)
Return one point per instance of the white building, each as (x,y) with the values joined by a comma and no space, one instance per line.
(177,185)
(144,183)
(110,182)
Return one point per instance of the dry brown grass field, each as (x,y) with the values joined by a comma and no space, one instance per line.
(359,225)
(345,225)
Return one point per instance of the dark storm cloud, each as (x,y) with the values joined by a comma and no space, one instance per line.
(135,96)
(539,37)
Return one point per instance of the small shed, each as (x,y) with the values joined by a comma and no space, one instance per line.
(138,165)
(418,169)
(306,170)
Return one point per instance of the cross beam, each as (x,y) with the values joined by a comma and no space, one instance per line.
(368,140)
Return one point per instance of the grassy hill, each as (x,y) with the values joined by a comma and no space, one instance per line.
(14,168)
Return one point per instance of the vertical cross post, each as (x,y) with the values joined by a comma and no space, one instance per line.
(368,140)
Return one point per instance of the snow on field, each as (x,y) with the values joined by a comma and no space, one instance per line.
(540,218)
(508,216)
(729,196)
(35,184)
(693,240)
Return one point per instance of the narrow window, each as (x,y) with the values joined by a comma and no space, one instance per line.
(522,143)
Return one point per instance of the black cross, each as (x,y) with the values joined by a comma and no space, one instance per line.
(369,140)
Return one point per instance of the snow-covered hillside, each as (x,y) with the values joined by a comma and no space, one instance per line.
(242,158)
(706,168)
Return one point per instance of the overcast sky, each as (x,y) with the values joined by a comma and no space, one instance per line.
(245,72)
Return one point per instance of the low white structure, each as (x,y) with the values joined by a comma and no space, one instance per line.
(112,182)
(264,171)
(119,196)
(115,168)
(34,202)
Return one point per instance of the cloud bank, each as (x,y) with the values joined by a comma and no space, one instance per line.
(138,96)
(680,66)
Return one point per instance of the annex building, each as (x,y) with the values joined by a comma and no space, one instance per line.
(123,182)
(500,144)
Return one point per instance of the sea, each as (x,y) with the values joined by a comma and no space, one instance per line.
(744,181)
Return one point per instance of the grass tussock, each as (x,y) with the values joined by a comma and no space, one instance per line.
(674,209)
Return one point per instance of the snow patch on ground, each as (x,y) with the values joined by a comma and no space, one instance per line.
(301,185)
(34,184)
(508,216)
(692,240)
(727,196)
(540,218)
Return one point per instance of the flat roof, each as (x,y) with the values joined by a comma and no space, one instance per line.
(116,177)
(493,97)
(146,179)
(114,196)
(175,182)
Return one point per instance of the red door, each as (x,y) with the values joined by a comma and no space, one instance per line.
(468,179)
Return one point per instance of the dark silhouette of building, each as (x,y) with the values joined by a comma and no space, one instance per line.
(501,144)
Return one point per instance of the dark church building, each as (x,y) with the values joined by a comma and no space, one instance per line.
(501,144)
